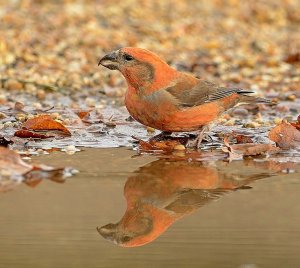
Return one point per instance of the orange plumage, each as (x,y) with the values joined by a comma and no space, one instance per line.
(163,98)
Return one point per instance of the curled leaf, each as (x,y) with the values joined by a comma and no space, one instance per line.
(45,122)
(29,134)
(285,136)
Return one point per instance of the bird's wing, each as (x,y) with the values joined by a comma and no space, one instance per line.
(190,199)
(202,92)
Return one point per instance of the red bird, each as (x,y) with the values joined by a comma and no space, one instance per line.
(161,97)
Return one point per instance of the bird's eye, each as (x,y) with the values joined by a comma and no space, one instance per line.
(128,57)
(126,239)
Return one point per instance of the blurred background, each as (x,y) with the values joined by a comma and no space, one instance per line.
(58,43)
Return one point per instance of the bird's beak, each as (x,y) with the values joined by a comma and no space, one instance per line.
(110,61)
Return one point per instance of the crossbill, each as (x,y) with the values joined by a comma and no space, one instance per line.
(163,98)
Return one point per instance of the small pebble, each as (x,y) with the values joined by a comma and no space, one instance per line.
(37,105)
(2,115)
(240,112)
(8,124)
(12,84)
(277,120)
(55,116)
(90,102)
(41,94)
(291,97)
(230,122)
(252,125)
(150,130)
(179,147)
(70,149)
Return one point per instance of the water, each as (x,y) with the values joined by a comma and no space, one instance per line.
(211,214)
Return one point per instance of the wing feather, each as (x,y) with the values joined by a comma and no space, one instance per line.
(203,92)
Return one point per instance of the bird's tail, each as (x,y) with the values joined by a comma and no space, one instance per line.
(252,99)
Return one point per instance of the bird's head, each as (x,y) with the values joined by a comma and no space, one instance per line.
(140,67)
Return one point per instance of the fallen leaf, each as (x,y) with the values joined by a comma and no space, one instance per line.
(152,145)
(285,135)
(293,58)
(83,114)
(237,151)
(45,122)
(29,134)
(296,124)
(240,138)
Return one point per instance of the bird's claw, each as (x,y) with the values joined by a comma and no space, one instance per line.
(196,143)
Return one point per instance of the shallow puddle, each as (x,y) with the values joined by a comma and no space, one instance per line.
(171,218)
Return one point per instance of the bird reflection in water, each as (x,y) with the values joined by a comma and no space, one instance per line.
(162,192)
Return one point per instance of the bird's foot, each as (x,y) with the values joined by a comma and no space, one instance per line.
(161,136)
(196,143)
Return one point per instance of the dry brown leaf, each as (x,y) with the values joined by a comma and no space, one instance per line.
(296,124)
(29,134)
(83,114)
(237,151)
(293,58)
(152,145)
(45,122)
(240,138)
(285,136)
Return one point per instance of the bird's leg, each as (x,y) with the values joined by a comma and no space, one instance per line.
(161,136)
(201,135)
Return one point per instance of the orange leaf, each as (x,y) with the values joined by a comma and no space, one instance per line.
(293,58)
(285,136)
(82,114)
(254,149)
(45,122)
(152,145)
(297,124)
(236,151)
(240,138)
(29,134)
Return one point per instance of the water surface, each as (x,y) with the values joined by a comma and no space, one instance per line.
(179,214)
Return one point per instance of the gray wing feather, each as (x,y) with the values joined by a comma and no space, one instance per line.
(203,92)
